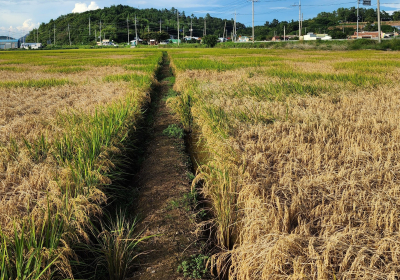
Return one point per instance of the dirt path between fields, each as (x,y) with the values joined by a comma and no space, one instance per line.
(163,204)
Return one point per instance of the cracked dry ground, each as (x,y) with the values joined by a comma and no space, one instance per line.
(162,182)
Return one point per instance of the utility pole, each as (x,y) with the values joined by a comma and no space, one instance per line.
(191,28)
(37,35)
(300,25)
(89,28)
(284,33)
(205,27)
(69,35)
(160,25)
(177,16)
(95,35)
(252,2)
(299,19)
(127,25)
(234,28)
(54,34)
(302,19)
(379,23)
(136,32)
(100,33)
(358,6)
(223,36)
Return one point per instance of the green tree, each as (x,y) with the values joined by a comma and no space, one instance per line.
(396,15)
(210,40)
(155,36)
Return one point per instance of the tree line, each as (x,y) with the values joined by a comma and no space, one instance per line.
(113,23)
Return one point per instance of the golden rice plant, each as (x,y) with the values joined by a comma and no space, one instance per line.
(60,143)
(303,186)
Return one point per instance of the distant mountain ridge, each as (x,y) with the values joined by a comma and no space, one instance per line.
(6,38)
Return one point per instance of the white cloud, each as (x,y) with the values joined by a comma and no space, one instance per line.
(82,7)
(28,25)
(396,6)
(280,8)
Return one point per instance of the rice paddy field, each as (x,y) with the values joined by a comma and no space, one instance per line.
(298,154)
(67,118)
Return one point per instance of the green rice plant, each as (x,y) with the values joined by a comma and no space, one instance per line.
(85,149)
(116,246)
(12,69)
(216,118)
(355,79)
(32,252)
(39,149)
(42,83)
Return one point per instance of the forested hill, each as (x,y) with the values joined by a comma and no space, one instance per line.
(116,19)
(114,25)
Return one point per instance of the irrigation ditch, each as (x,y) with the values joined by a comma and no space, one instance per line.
(154,203)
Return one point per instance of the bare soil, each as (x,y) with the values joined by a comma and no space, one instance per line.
(163,183)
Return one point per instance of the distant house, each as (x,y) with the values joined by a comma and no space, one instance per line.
(175,41)
(188,38)
(33,46)
(152,42)
(314,37)
(291,37)
(276,38)
(244,39)
(9,44)
(367,35)
(139,41)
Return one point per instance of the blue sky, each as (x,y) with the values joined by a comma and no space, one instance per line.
(17,17)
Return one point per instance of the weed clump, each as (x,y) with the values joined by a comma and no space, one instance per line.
(174,131)
(194,267)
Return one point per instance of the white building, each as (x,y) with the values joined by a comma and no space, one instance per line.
(314,37)
(33,46)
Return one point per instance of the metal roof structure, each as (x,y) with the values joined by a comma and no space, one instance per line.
(8,41)
(9,44)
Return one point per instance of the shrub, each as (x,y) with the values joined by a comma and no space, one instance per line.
(210,40)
